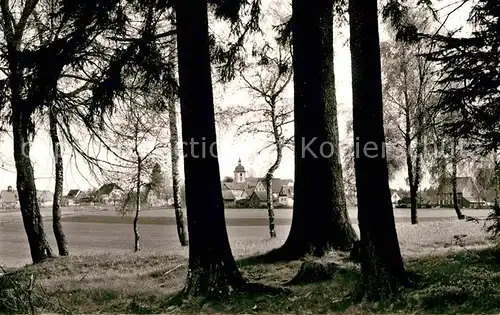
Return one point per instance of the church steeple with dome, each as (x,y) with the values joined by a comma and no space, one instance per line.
(239,173)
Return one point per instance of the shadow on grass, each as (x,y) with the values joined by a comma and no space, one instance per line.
(277,255)
(264,258)
(465,282)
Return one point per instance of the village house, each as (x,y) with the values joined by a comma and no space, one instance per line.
(229,199)
(238,190)
(258,200)
(251,191)
(395,197)
(73,197)
(109,194)
(154,198)
(285,196)
(467,193)
(8,198)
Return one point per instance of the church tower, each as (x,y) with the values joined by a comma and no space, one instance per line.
(239,173)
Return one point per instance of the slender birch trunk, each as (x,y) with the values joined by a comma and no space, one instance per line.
(176,178)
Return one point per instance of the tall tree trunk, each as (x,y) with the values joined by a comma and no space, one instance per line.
(496,180)
(382,266)
(454,166)
(413,204)
(418,164)
(176,178)
(212,270)
(137,236)
(414,176)
(320,219)
(62,243)
(411,179)
(26,189)
(408,143)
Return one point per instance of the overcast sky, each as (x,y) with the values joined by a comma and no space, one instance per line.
(230,148)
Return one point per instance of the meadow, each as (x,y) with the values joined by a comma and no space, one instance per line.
(455,261)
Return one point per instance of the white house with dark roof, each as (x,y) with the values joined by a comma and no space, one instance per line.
(73,196)
(467,192)
(109,194)
(285,196)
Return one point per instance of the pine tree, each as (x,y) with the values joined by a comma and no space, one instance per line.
(382,268)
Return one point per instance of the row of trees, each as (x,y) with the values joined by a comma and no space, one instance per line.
(91,60)
(64,61)
(417,121)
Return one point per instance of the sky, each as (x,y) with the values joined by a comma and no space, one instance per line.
(230,148)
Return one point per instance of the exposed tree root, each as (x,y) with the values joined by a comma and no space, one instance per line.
(220,282)
(314,271)
(355,254)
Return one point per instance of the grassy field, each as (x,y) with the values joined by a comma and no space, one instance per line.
(102,232)
(460,274)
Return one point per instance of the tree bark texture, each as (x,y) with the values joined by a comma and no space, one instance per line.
(26,189)
(176,177)
(409,167)
(496,180)
(62,243)
(137,236)
(320,219)
(454,166)
(383,272)
(212,269)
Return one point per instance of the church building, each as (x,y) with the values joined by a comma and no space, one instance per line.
(249,191)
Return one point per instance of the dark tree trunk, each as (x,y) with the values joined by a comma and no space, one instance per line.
(21,125)
(408,149)
(62,243)
(320,219)
(454,166)
(137,236)
(414,187)
(411,178)
(418,169)
(413,204)
(212,270)
(176,178)
(26,189)
(383,272)
(496,180)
